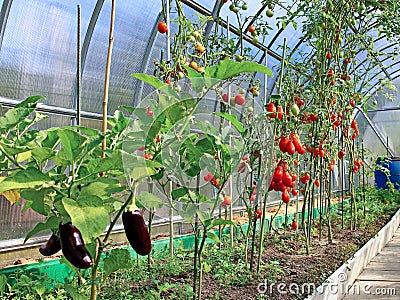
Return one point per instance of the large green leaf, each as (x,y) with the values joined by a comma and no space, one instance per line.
(13,117)
(149,79)
(88,214)
(179,192)
(146,199)
(213,236)
(228,68)
(38,200)
(103,187)
(51,223)
(156,83)
(98,165)
(72,143)
(42,154)
(24,179)
(118,259)
(29,102)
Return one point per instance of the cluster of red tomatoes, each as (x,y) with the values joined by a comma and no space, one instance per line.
(291,145)
(283,181)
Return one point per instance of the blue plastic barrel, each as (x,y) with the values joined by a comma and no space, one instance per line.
(393,165)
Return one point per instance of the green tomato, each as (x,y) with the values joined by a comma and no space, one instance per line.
(236,9)
(256,93)
(244,7)
(242,91)
(269,13)
(250,109)
(255,40)
(239,58)
(294,109)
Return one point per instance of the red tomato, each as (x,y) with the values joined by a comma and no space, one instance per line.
(285,196)
(290,148)
(272,109)
(209,176)
(283,143)
(225,98)
(149,112)
(295,192)
(328,55)
(294,225)
(251,29)
(148,156)
(287,179)
(317,182)
(278,174)
(240,99)
(162,27)
(280,112)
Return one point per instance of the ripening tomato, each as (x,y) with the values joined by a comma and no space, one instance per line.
(279,110)
(272,109)
(227,200)
(285,196)
(162,27)
(252,198)
(208,176)
(251,29)
(148,156)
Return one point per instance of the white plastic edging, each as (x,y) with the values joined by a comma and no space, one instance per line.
(336,286)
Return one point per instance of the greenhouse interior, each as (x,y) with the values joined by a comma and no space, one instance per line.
(211,149)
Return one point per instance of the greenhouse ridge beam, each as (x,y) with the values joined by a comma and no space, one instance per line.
(233,29)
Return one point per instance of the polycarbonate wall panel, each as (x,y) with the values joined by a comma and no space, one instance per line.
(134,21)
(38,54)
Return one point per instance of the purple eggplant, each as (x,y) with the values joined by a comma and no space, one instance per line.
(51,247)
(73,246)
(136,231)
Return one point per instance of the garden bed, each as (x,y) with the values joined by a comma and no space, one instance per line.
(286,267)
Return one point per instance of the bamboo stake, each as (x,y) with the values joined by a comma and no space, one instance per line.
(78,68)
(107,76)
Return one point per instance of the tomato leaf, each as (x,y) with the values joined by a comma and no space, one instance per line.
(228,68)
(233,119)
